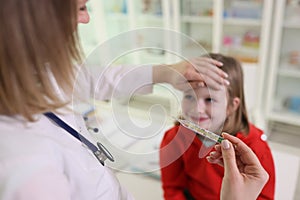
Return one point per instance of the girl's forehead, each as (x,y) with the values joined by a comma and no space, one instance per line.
(205,91)
(197,90)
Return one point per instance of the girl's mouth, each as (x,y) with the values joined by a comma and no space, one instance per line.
(199,119)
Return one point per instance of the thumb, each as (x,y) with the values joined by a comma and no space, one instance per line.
(229,160)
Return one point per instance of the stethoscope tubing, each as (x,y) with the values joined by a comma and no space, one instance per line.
(100,152)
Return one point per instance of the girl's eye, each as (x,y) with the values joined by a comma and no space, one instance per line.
(188,97)
(210,100)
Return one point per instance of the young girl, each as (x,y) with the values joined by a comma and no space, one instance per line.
(185,172)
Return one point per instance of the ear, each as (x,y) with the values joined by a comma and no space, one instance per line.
(233,106)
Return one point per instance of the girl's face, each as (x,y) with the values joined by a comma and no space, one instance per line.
(82,13)
(206,107)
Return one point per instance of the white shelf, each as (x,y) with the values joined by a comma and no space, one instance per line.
(150,18)
(117,17)
(242,22)
(249,65)
(291,24)
(197,19)
(293,73)
(243,53)
(285,117)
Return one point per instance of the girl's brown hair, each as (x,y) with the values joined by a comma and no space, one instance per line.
(39,44)
(238,120)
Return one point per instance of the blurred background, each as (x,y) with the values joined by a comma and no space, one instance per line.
(262,34)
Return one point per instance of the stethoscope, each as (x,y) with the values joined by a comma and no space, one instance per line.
(100,152)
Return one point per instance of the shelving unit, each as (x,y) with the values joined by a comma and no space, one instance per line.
(284,73)
(111,18)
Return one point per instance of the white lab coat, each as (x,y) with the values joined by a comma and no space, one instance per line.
(40,160)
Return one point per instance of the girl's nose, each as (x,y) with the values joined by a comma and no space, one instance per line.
(200,106)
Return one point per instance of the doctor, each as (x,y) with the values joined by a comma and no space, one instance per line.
(39,159)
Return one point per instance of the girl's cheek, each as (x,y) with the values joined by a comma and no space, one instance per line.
(183,105)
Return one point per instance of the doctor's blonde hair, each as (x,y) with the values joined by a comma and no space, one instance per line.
(39,42)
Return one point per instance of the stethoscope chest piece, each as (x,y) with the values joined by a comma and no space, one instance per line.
(102,154)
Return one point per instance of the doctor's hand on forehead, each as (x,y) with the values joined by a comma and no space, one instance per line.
(244,176)
(192,73)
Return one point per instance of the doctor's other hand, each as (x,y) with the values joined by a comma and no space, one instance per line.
(244,176)
(193,73)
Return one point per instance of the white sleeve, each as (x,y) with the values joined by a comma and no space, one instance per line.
(114,81)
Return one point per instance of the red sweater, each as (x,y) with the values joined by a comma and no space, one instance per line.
(181,167)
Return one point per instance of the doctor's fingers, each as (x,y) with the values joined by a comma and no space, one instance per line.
(188,85)
(212,80)
(195,80)
(216,156)
(214,160)
(246,155)
(209,68)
